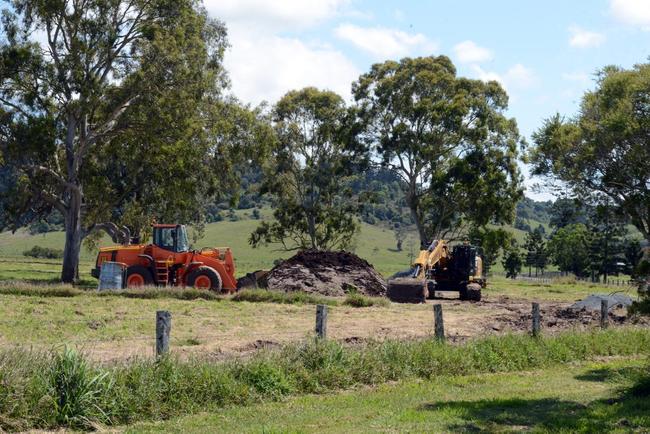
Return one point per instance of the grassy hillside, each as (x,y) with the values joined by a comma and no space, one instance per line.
(375,244)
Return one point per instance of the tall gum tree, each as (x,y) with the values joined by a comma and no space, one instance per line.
(108,113)
(603,153)
(447,138)
(314,156)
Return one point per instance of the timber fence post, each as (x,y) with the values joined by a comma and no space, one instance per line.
(163,330)
(439,325)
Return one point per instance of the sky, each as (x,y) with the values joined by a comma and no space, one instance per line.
(545,53)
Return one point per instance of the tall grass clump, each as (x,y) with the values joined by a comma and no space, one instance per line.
(293,297)
(76,391)
(359,300)
(62,389)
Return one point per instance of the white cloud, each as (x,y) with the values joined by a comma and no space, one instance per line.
(484,75)
(275,14)
(263,64)
(520,76)
(632,12)
(516,77)
(581,38)
(384,42)
(469,52)
(265,67)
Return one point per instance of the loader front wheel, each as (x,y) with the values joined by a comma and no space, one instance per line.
(205,278)
(138,276)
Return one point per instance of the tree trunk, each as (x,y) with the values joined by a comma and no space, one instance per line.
(418,224)
(73,237)
(399,245)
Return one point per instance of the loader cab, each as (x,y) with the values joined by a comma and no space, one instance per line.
(171,237)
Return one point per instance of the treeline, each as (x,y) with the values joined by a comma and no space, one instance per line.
(112,135)
(584,241)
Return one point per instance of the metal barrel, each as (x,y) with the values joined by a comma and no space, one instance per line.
(112,276)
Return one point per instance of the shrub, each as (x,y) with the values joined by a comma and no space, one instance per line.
(75,391)
(39,390)
(44,252)
(358,300)
(294,297)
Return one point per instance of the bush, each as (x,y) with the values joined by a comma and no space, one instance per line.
(75,391)
(39,390)
(358,300)
(295,297)
(44,252)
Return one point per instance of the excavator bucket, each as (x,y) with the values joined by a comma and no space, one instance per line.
(407,290)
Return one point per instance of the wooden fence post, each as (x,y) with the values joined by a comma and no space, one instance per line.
(604,314)
(439,325)
(163,329)
(536,319)
(321,321)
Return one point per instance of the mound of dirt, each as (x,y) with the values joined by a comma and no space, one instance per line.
(326,273)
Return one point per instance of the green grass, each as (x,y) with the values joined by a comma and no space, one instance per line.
(584,397)
(559,290)
(375,244)
(358,300)
(265,296)
(48,391)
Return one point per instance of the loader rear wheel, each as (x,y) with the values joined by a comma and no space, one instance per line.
(138,276)
(205,278)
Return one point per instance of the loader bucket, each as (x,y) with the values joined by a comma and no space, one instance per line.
(407,290)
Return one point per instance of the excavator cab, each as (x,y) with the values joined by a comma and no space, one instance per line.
(439,268)
(171,237)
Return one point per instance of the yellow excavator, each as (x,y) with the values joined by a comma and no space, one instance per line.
(439,269)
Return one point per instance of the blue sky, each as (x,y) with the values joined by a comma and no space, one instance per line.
(544,52)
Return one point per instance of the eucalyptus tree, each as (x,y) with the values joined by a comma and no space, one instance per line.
(109,113)
(603,153)
(448,139)
(314,156)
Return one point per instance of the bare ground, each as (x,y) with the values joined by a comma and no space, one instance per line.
(198,331)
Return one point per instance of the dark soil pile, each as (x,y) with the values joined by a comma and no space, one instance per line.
(326,273)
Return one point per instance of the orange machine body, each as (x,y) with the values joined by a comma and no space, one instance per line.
(168,261)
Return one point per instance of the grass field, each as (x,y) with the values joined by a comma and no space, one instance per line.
(584,397)
(375,244)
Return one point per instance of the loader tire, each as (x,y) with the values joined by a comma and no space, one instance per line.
(205,278)
(138,276)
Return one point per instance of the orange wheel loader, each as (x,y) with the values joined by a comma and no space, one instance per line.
(168,261)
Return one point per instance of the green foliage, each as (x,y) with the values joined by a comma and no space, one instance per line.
(529,209)
(314,154)
(44,252)
(155,390)
(123,94)
(448,140)
(295,297)
(512,262)
(536,253)
(359,300)
(491,242)
(565,212)
(569,249)
(76,390)
(604,152)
